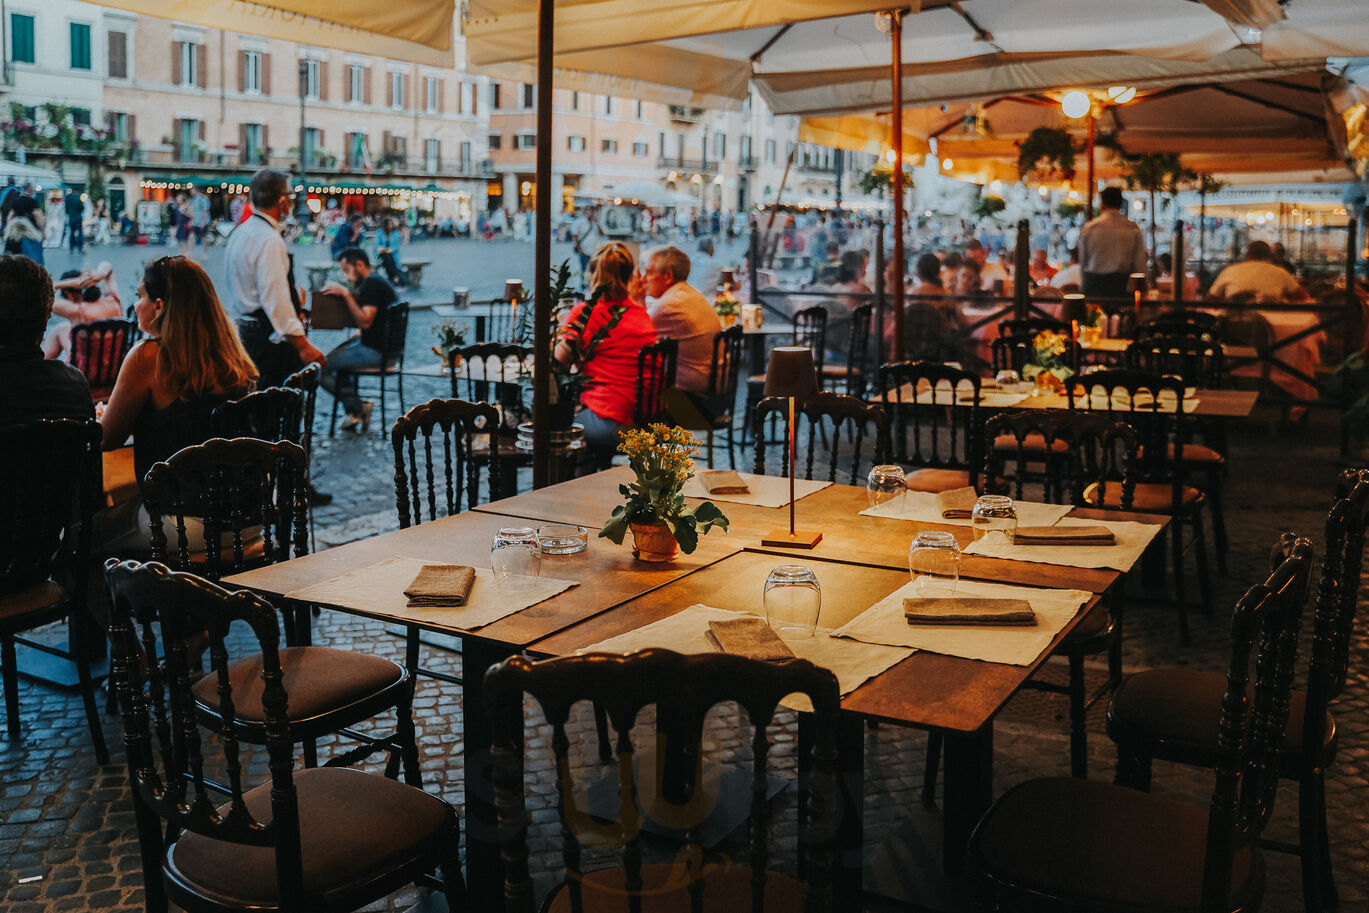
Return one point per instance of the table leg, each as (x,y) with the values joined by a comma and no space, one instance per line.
(484,868)
(968,790)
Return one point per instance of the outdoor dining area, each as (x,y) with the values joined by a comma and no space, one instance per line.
(1033,597)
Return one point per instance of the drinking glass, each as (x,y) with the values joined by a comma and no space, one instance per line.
(515,555)
(1007,379)
(934,563)
(885,484)
(793,600)
(993,513)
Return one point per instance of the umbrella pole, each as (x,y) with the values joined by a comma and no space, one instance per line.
(542,304)
(1088,206)
(896,122)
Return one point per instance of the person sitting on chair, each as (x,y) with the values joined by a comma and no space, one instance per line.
(680,312)
(81,298)
(1258,276)
(34,388)
(368,298)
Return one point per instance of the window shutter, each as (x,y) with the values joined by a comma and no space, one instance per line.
(366,85)
(131,126)
(245,154)
(242,71)
(441,94)
(389,90)
(200,123)
(438,147)
(265,143)
(323,80)
(404,85)
(176,63)
(202,66)
(117,55)
(386,143)
(265,73)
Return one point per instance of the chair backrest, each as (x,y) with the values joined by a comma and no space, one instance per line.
(98,350)
(810,329)
(724,372)
(1251,731)
(1027,327)
(469,436)
(1199,362)
(1181,323)
(51,472)
(503,323)
(1014,353)
(306,380)
(233,486)
(1149,402)
(927,334)
(683,691)
(273,414)
(655,374)
(396,330)
(844,414)
(858,350)
(485,365)
(1099,451)
(934,410)
(155,611)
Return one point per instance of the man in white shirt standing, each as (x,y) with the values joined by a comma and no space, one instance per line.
(1111,248)
(259,277)
(680,312)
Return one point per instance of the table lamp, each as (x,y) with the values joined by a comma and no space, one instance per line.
(1136,284)
(791,374)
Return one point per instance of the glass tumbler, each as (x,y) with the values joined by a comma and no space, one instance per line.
(993,513)
(934,563)
(885,484)
(514,556)
(793,600)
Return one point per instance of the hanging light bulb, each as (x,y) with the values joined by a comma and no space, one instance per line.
(1075,104)
(947,164)
(889,156)
(1121,95)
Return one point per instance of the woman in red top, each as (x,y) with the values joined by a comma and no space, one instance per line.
(607,400)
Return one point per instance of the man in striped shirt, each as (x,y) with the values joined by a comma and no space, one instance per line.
(680,312)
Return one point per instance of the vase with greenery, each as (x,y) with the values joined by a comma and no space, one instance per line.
(450,335)
(1048,368)
(1091,329)
(654,508)
(726,307)
(989,205)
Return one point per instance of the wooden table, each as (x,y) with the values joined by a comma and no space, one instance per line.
(860,560)
(120,480)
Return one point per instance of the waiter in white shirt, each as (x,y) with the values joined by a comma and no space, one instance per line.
(1111,248)
(260,277)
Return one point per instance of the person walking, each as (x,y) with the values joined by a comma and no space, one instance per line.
(1111,248)
(76,220)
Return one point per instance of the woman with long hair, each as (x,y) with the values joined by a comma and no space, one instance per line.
(190,361)
(609,365)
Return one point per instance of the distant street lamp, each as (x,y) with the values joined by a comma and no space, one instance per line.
(302,213)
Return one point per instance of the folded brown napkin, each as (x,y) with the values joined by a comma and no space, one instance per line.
(968,611)
(750,637)
(1063,535)
(956,504)
(440,585)
(723,482)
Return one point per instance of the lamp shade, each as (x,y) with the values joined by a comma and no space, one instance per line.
(791,372)
(1136,282)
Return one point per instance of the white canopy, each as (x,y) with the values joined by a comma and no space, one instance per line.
(29,174)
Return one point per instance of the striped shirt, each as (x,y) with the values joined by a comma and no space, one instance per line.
(684,315)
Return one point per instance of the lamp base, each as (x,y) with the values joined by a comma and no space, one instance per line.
(782,538)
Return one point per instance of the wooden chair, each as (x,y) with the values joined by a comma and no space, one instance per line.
(468,437)
(273,414)
(51,470)
(928,334)
(655,375)
(810,329)
(1201,324)
(855,374)
(321,838)
(717,413)
(1070,844)
(391,364)
(1171,714)
(98,350)
(682,690)
(306,380)
(489,371)
(1140,398)
(1027,327)
(845,413)
(503,324)
(942,438)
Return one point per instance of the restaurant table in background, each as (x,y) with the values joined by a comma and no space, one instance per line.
(1303,354)
(120,482)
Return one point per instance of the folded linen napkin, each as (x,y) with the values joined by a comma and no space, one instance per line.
(440,585)
(748,636)
(968,611)
(957,504)
(723,482)
(1063,535)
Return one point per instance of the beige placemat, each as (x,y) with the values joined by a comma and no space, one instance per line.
(921,506)
(1015,645)
(380,588)
(1132,539)
(766,491)
(852,662)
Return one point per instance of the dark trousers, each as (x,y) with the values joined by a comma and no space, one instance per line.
(1105,285)
(275,361)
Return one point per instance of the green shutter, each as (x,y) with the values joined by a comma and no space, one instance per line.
(80,46)
(21,39)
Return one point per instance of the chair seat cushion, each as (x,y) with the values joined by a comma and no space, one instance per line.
(1150,497)
(1103,846)
(354,827)
(1034,442)
(318,680)
(1183,708)
(1197,453)
(40,596)
(726,888)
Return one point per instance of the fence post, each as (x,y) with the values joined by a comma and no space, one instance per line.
(879,292)
(1021,271)
(1177,259)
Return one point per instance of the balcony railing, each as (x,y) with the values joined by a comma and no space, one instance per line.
(680,163)
(684,114)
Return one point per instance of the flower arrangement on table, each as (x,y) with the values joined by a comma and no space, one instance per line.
(1049,369)
(1091,330)
(726,307)
(450,335)
(662,457)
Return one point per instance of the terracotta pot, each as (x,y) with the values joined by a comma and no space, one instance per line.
(727,319)
(653,542)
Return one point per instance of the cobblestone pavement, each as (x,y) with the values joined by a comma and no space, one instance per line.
(67,841)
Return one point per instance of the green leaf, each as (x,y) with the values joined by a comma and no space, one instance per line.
(685,533)
(616,527)
(707,515)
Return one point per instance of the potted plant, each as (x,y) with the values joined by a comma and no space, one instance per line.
(662,525)
(988,206)
(726,307)
(1048,369)
(1092,328)
(1047,154)
(450,335)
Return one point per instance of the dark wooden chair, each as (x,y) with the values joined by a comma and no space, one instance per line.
(1027,327)
(467,437)
(942,438)
(1142,399)
(854,376)
(1199,324)
(322,838)
(928,334)
(98,350)
(682,690)
(306,380)
(391,365)
(810,329)
(273,414)
(655,375)
(1070,844)
(51,470)
(1171,714)
(845,414)
(503,324)
(717,412)
(490,372)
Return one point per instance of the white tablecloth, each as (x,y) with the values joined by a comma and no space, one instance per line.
(1131,540)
